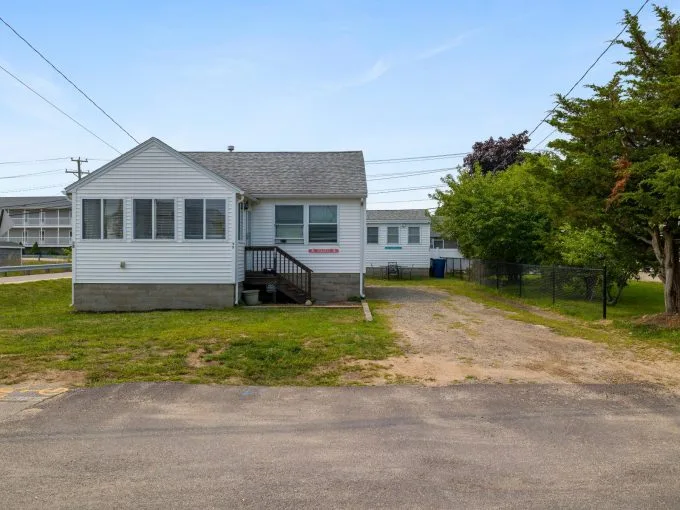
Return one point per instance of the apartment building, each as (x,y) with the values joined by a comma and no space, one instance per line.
(45,220)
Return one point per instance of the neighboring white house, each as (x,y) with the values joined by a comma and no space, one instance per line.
(42,220)
(401,236)
(157,228)
(443,248)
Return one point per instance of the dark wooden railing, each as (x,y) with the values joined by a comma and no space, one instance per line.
(273,260)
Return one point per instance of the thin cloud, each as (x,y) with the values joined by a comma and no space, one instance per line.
(443,48)
(376,71)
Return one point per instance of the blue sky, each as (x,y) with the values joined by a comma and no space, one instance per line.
(394,79)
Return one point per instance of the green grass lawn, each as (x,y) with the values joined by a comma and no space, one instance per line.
(39,334)
(637,300)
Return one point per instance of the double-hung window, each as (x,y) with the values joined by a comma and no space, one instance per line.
(205,219)
(102,218)
(372,235)
(392,235)
(154,218)
(289,223)
(414,235)
(323,224)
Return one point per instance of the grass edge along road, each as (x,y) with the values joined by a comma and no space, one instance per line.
(41,338)
(571,318)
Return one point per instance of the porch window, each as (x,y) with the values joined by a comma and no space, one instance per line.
(205,219)
(323,223)
(102,218)
(436,243)
(289,223)
(414,235)
(372,235)
(392,235)
(154,219)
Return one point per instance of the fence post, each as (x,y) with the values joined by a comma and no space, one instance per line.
(480,272)
(604,292)
(521,270)
(498,286)
(553,284)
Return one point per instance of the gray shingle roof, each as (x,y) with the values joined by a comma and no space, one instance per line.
(419,215)
(288,173)
(57,202)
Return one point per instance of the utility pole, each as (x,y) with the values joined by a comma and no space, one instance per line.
(80,171)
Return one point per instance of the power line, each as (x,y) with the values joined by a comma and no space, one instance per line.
(544,139)
(29,174)
(399,175)
(31,189)
(396,190)
(30,161)
(403,201)
(414,158)
(611,43)
(58,109)
(67,79)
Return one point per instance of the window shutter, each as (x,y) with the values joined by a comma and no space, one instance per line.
(92,226)
(165,219)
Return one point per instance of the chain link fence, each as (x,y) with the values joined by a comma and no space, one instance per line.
(544,284)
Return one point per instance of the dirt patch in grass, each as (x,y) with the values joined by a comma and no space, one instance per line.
(451,339)
(51,377)
(659,320)
(28,331)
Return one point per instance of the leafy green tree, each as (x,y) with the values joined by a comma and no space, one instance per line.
(622,157)
(597,247)
(35,249)
(504,216)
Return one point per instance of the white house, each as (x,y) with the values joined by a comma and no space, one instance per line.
(162,229)
(401,236)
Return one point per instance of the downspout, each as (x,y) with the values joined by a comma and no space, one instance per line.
(362,250)
(235,238)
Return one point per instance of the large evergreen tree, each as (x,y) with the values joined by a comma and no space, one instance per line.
(622,157)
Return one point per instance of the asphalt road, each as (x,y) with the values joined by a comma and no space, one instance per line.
(467,446)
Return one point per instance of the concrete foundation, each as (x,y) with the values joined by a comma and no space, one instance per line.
(136,297)
(334,286)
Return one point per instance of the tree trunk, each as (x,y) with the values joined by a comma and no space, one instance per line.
(666,253)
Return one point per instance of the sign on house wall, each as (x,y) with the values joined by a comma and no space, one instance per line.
(324,250)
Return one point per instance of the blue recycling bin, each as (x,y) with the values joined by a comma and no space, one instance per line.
(438,267)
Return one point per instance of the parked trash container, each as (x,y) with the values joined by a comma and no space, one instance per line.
(438,267)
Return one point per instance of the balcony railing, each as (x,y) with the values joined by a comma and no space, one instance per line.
(47,222)
(61,241)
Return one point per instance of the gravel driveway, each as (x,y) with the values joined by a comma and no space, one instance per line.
(448,338)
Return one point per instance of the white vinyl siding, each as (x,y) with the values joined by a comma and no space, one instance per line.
(349,234)
(412,255)
(158,174)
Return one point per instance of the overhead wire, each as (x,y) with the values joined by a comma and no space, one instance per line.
(611,43)
(30,174)
(67,79)
(58,109)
